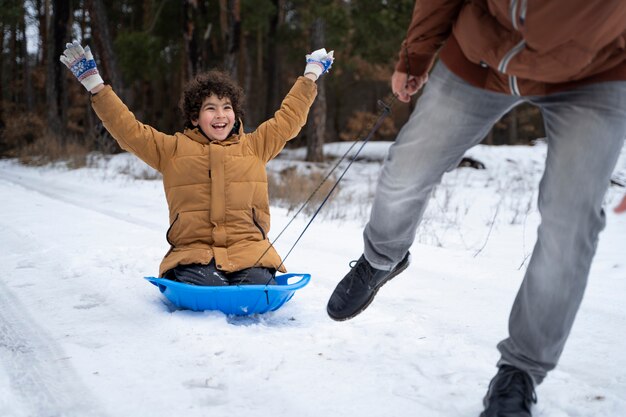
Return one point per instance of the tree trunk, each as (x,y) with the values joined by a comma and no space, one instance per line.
(83,23)
(224,20)
(14,98)
(42,7)
(204,35)
(273,62)
(317,122)
(28,86)
(233,36)
(246,70)
(89,122)
(190,10)
(57,20)
(104,44)
(259,54)
(2,124)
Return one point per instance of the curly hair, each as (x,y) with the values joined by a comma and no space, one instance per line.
(202,86)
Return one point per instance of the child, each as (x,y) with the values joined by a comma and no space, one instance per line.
(213,173)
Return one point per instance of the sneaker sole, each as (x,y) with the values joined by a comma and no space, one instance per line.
(369,300)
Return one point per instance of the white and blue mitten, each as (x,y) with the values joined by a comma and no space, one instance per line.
(80,61)
(319,62)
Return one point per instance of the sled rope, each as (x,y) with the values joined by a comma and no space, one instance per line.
(386,110)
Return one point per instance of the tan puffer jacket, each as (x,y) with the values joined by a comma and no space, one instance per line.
(521,47)
(216,191)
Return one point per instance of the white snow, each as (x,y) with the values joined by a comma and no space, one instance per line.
(83,334)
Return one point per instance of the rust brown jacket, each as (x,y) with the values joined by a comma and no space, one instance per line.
(521,47)
(216,190)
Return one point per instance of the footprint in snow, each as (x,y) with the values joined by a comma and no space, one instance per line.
(89,301)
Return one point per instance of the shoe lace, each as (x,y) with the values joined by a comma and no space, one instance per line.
(360,270)
(515,383)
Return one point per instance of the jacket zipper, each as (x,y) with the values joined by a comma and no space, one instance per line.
(258,226)
(502,66)
(518,18)
(522,12)
(167,237)
(513,13)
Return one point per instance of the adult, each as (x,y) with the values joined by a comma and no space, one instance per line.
(569,59)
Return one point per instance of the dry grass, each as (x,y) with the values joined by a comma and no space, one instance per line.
(27,138)
(21,130)
(52,148)
(291,187)
(360,123)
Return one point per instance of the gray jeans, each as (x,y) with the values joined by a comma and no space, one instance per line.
(585,129)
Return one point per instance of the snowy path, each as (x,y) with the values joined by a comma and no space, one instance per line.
(72,194)
(40,381)
(81,334)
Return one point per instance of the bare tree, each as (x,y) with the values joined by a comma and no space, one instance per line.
(316,131)
(41,7)
(56,22)
(104,43)
(2,124)
(274,73)
(233,37)
(190,57)
(13,61)
(29,98)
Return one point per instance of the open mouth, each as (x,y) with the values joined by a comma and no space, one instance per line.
(219,126)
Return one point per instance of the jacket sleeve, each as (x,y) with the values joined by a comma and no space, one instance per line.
(430,27)
(145,142)
(270,137)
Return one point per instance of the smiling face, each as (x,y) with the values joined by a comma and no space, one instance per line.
(216,117)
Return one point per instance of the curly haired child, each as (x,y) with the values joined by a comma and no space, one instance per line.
(213,172)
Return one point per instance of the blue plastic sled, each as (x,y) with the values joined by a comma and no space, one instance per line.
(240,300)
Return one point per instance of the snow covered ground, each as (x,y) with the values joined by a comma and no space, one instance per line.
(82,334)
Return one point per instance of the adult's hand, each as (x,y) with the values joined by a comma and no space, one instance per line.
(404,85)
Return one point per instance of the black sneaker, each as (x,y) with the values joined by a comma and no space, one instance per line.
(357,289)
(511,394)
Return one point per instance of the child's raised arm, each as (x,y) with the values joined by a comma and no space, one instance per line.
(147,143)
(270,137)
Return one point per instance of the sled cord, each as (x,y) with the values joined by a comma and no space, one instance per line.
(386,110)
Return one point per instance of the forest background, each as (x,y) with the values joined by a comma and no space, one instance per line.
(148,49)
